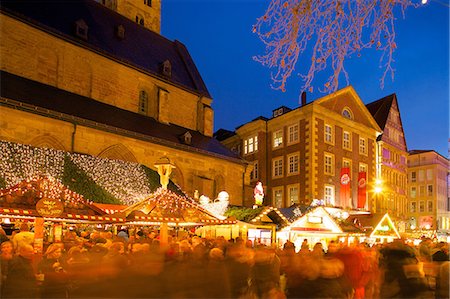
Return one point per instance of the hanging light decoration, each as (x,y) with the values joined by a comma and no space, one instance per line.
(331,31)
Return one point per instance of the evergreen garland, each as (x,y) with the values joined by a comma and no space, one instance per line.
(80,182)
(242,213)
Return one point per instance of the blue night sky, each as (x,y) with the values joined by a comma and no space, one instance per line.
(218,35)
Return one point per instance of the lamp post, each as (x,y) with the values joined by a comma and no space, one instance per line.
(378,188)
(164,167)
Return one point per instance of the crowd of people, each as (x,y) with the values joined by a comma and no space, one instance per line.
(93,264)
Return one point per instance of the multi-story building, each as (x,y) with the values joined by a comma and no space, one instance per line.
(323,150)
(96,77)
(392,164)
(428,196)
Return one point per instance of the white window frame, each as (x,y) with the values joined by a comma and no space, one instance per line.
(295,165)
(347,143)
(277,138)
(275,191)
(363,145)
(328,161)
(277,167)
(293,134)
(329,195)
(328,135)
(290,188)
(251,145)
(348,163)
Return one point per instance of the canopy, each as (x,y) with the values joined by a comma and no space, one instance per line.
(47,197)
(165,206)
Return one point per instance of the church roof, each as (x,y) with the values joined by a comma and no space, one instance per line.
(86,111)
(380,109)
(140,48)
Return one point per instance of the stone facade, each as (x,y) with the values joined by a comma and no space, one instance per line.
(32,53)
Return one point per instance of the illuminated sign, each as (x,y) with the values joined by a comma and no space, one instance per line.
(48,207)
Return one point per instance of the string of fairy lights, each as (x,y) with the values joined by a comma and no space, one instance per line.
(124,180)
(20,162)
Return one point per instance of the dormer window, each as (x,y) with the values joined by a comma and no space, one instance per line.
(347,113)
(120,32)
(81,29)
(166,68)
(187,138)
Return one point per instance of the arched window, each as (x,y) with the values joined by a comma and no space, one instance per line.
(347,113)
(143,102)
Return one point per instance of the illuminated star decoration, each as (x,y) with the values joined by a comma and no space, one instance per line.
(331,30)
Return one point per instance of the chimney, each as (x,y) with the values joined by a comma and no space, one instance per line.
(303,98)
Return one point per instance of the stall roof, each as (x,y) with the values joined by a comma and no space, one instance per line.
(317,220)
(47,197)
(377,225)
(166,206)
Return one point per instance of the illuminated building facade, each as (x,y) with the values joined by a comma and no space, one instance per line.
(299,154)
(428,198)
(97,78)
(392,164)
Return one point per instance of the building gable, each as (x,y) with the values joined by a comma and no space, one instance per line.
(346,103)
(393,132)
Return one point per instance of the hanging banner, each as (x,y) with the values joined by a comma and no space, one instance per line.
(345,187)
(361,190)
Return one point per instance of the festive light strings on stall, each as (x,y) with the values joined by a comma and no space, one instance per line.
(124,180)
(20,162)
(332,30)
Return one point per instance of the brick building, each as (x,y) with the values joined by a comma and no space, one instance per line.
(299,155)
(96,77)
(392,163)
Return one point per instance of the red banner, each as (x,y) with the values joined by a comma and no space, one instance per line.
(345,187)
(362,183)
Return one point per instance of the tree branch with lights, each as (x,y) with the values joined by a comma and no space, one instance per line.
(333,30)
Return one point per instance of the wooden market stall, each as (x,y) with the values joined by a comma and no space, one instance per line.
(259,225)
(165,209)
(378,228)
(46,201)
(316,225)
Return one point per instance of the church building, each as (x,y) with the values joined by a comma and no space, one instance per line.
(98,78)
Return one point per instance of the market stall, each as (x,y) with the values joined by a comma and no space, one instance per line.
(258,225)
(49,205)
(378,228)
(316,225)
